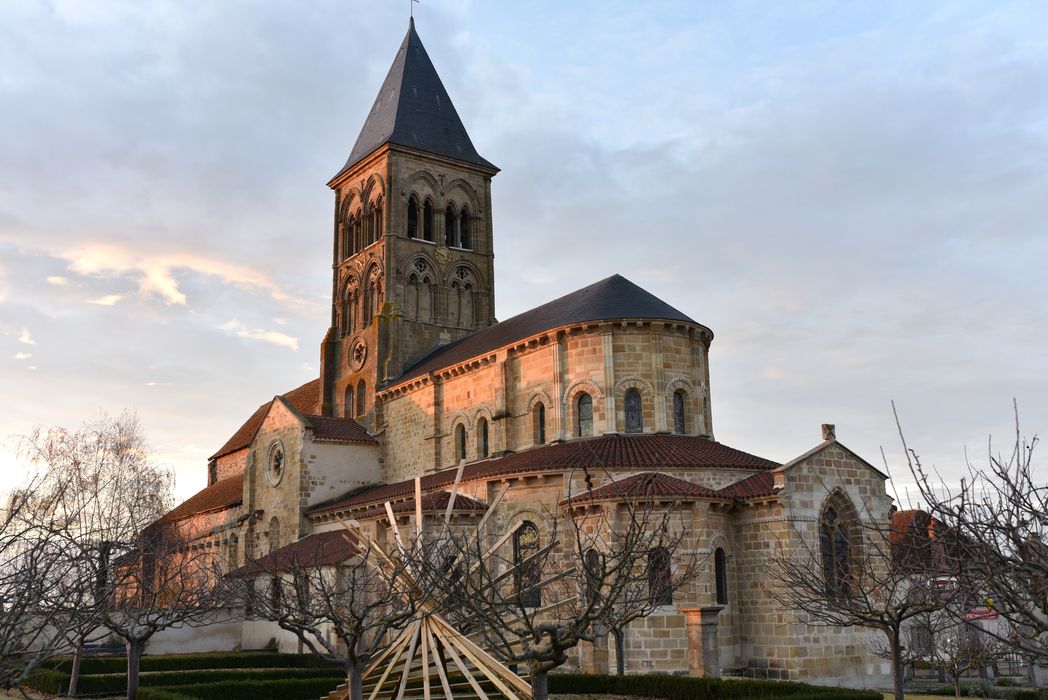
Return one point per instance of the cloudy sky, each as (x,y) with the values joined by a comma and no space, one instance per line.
(852,195)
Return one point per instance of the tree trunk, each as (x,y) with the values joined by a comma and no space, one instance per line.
(898,672)
(134,658)
(957,686)
(620,651)
(354,681)
(74,672)
(540,685)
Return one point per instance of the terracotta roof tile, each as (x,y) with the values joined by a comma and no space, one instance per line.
(612,298)
(305,398)
(608,451)
(318,549)
(218,496)
(754,486)
(433,502)
(340,430)
(648,484)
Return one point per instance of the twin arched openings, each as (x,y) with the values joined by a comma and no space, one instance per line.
(458,223)
(482,436)
(354,402)
(634,409)
(362,227)
(358,308)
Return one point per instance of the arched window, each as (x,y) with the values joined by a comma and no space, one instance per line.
(465,240)
(836,559)
(584,415)
(377,211)
(347,402)
(659,576)
(538,428)
(449,227)
(361,397)
(212,472)
(527,574)
(679,425)
(460,442)
(634,412)
(358,231)
(594,575)
(720,574)
(274,533)
(482,438)
(427,221)
(412,218)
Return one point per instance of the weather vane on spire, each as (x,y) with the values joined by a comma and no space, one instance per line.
(412,5)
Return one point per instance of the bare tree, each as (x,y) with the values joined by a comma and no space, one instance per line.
(531,596)
(105,489)
(958,647)
(335,595)
(36,574)
(1000,513)
(870,582)
(164,582)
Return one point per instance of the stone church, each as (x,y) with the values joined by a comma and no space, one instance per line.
(417,376)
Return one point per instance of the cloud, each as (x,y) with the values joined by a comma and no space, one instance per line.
(155,273)
(107,300)
(22,355)
(25,337)
(57,280)
(273,337)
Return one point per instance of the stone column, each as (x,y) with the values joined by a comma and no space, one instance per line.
(703,648)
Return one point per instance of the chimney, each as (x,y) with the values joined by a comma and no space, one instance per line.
(829,432)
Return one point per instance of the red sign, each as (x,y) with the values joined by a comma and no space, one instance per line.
(980,614)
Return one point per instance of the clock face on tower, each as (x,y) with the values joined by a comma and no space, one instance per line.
(358,354)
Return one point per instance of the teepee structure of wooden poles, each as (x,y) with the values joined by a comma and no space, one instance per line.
(430,659)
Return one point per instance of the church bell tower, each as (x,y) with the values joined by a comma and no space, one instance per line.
(412,253)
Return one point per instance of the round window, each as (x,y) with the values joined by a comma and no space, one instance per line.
(275,466)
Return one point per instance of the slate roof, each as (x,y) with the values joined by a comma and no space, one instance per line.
(413,109)
(318,549)
(646,485)
(305,398)
(339,430)
(753,486)
(651,452)
(609,299)
(220,495)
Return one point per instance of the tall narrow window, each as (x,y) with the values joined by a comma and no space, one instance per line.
(527,572)
(482,438)
(378,218)
(427,221)
(361,398)
(594,575)
(347,402)
(836,563)
(659,576)
(449,227)
(584,415)
(634,412)
(679,426)
(538,417)
(412,218)
(460,442)
(720,573)
(465,240)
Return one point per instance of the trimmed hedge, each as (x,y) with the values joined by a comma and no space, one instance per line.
(294,689)
(50,682)
(687,688)
(159,694)
(115,683)
(192,662)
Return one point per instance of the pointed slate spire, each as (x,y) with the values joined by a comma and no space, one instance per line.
(413,109)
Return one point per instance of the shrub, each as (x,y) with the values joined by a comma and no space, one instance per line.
(181,662)
(50,682)
(686,688)
(292,689)
(115,683)
(159,694)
